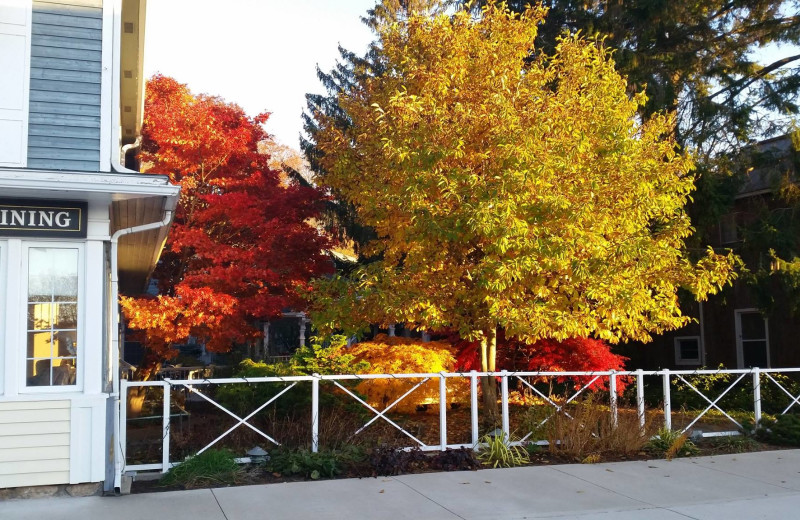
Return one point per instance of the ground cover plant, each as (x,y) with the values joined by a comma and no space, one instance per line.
(210,468)
(496,451)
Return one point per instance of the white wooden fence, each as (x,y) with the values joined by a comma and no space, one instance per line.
(668,379)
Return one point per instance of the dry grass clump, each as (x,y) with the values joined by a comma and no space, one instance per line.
(584,431)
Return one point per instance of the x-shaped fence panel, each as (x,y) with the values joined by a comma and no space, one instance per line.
(558,407)
(712,404)
(241,421)
(794,399)
(382,414)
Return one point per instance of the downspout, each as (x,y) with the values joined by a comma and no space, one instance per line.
(117,164)
(124,153)
(115,333)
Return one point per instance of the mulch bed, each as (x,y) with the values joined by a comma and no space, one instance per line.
(255,474)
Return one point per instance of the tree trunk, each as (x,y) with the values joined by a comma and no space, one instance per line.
(491,412)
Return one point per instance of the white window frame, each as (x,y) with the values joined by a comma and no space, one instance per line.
(22,301)
(3,304)
(679,360)
(739,346)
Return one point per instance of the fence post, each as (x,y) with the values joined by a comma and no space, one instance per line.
(473,406)
(315,413)
(667,403)
(757,395)
(612,388)
(442,412)
(504,403)
(165,430)
(640,398)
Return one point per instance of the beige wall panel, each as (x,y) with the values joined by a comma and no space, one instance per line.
(39,453)
(34,479)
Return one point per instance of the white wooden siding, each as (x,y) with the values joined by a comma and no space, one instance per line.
(34,443)
(65,85)
(15,26)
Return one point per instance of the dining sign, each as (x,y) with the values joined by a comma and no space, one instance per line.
(40,218)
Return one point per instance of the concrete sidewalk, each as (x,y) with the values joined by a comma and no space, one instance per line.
(763,485)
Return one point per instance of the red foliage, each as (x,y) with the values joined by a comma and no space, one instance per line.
(242,244)
(572,355)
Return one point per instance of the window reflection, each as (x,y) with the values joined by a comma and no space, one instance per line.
(52,319)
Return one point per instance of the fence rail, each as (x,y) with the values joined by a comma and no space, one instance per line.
(609,379)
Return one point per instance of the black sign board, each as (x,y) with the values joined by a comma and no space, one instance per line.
(42,218)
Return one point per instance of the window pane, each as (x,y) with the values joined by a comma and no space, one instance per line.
(66,316)
(65,343)
(38,373)
(689,348)
(753,325)
(52,347)
(40,344)
(64,372)
(40,316)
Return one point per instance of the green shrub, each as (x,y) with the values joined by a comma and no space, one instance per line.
(327,358)
(325,463)
(496,451)
(212,467)
(669,444)
(784,430)
(733,444)
(242,399)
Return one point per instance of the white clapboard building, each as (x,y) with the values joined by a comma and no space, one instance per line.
(76,227)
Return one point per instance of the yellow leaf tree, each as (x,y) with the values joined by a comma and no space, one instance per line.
(508,188)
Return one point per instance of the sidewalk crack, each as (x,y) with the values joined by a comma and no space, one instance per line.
(218,504)
(654,506)
(429,498)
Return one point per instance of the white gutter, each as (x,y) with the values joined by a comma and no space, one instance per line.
(115,333)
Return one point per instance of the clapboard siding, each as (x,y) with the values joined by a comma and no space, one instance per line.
(66,72)
(36,141)
(68,120)
(47,85)
(35,152)
(80,22)
(63,131)
(61,164)
(37,441)
(62,109)
(69,9)
(60,42)
(32,416)
(34,443)
(67,75)
(64,64)
(83,55)
(66,32)
(34,479)
(66,98)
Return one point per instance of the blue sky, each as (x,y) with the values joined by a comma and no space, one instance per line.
(260,54)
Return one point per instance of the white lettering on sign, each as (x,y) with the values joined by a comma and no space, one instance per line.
(35,218)
(62,219)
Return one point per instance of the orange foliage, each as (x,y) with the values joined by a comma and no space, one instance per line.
(395,355)
(241,244)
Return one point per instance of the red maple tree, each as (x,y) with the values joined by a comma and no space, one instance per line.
(243,241)
(548,355)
